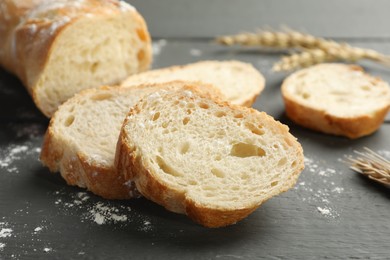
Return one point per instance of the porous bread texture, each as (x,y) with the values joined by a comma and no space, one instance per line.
(81,139)
(208,159)
(240,82)
(58,48)
(336,99)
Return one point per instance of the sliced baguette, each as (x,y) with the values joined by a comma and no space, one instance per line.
(210,160)
(336,99)
(240,82)
(81,139)
(58,48)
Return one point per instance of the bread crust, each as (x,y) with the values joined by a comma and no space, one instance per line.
(77,168)
(59,156)
(31,32)
(131,164)
(322,121)
(247,100)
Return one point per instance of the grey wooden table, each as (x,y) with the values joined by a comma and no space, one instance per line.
(331,213)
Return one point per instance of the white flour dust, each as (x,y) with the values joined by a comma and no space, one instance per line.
(101,212)
(157,46)
(195,52)
(13,153)
(37,229)
(10,155)
(5,232)
(320,187)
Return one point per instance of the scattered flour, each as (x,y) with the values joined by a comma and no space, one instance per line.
(157,46)
(324,211)
(100,212)
(47,249)
(37,229)
(319,187)
(10,155)
(5,232)
(13,153)
(195,52)
(146,226)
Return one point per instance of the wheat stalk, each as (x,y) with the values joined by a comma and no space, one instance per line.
(284,40)
(371,165)
(311,57)
(314,50)
(304,59)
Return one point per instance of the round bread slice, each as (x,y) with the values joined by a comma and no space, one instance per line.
(240,82)
(81,139)
(336,99)
(213,161)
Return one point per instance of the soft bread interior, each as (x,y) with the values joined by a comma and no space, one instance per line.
(340,90)
(91,121)
(239,82)
(90,52)
(212,154)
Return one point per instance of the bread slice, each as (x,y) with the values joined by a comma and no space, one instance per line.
(240,82)
(336,99)
(81,139)
(210,160)
(58,48)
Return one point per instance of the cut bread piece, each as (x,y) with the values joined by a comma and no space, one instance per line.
(240,82)
(58,48)
(81,139)
(336,99)
(208,159)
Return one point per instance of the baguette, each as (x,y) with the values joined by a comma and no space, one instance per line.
(336,99)
(240,82)
(81,139)
(210,160)
(58,48)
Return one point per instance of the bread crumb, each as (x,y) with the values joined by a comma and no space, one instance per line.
(2,245)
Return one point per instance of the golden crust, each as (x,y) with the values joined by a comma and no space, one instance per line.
(247,102)
(320,120)
(74,167)
(78,170)
(130,163)
(31,32)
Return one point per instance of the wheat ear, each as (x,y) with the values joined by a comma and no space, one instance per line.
(372,165)
(314,49)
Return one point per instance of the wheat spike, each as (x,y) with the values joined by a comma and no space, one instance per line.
(303,59)
(371,165)
(314,50)
(284,40)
